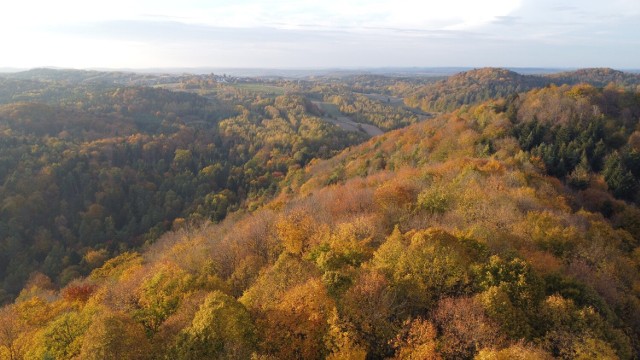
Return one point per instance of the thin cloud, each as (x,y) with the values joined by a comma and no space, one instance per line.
(331,33)
(564,8)
(507,20)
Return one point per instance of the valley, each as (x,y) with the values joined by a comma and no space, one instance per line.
(483,215)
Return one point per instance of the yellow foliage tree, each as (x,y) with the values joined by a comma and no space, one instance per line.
(514,352)
(114,336)
(221,329)
(296,327)
(295,230)
(417,341)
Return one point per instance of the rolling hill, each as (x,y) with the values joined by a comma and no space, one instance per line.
(479,85)
(454,238)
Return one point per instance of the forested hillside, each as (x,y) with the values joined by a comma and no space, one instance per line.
(598,77)
(487,83)
(471,87)
(91,168)
(503,230)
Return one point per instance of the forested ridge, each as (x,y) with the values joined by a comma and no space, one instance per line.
(508,228)
(486,83)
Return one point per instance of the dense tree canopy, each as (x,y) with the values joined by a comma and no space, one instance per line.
(114,167)
(507,229)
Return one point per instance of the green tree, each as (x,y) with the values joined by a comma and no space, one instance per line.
(619,179)
(221,329)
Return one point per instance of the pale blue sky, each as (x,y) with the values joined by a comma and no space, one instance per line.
(320,34)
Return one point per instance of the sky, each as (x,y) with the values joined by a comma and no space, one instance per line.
(312,34)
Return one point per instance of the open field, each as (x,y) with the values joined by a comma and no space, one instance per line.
(334,116)
(261,88)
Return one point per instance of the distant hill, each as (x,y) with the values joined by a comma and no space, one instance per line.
(482,84)
(70,75)
(77,77)
(472,87)
(598,77)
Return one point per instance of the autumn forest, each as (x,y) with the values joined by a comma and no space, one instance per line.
(483,215)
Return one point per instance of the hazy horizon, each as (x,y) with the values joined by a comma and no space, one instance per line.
(303,72)
(249,34)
